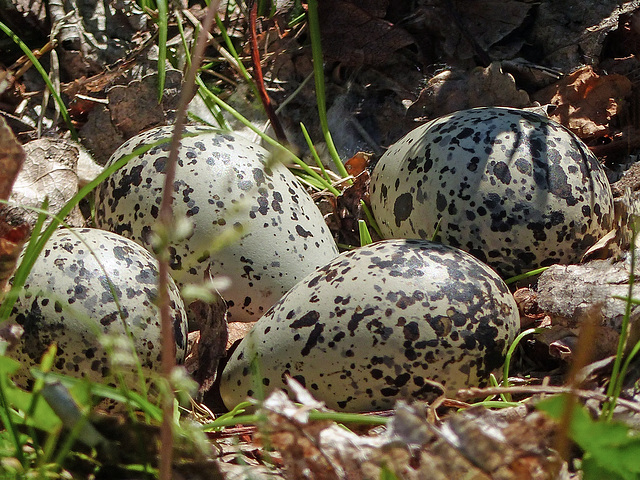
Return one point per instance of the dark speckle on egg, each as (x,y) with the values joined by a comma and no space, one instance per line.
(68,299)
(225,184)
(407,311)
(513,188)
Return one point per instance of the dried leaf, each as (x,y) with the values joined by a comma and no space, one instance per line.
(12,239)
(210,348)
(586,101)
(49,171)
(476,443)
(356,34)
(135,107)
(450,91)
(12,156)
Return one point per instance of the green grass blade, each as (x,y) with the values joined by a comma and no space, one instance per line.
(318,70)
(232,50)
(290,155)
(615,384)
(509,356)
(25,266)
(314,152)
(45,76)
(525,275)
(163,22)
(365,236)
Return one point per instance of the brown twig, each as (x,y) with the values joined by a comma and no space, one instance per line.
(166,220)
(257,74)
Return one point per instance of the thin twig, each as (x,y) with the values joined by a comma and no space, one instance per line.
(166,220)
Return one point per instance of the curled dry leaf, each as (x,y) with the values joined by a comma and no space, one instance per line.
(13,234)
(586,101)
(211,342)
(570,293)
(49,171)
(355,34)
(11,159)
(450,91)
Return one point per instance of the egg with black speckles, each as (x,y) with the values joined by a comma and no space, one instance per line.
(515,189)
(87,284)
(224,184)
(376,324)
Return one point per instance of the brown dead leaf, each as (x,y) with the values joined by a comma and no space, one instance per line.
(12,239)
(212,340)
(355,34)
(12,156)
(135,107)
(450,91)
(586,101)
(476,443)
(466,25)
(49,171)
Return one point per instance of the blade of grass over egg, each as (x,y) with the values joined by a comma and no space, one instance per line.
(34,250)
(45,77)
(523,276)
(290,155)
(318,70)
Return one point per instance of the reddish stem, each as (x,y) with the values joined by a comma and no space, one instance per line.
(166,220)
(259,79)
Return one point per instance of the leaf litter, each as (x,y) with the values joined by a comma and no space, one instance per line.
(388,68)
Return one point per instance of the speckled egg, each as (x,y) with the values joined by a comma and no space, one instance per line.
(376,324)
(513,188)
(223,184)
(68,299)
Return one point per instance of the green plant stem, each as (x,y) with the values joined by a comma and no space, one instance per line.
(313,151)
(314,415)
(509,356)
(318,70)
(615,384)
(45,77)
(522,276)
(162,45)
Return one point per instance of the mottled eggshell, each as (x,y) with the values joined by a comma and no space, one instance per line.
(512,187)
(68,300)
(223,182)
(375,324)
